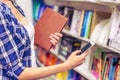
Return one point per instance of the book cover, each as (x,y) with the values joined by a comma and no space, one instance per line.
(68,12)
(117,72)
(35,9)
(104,34)
(75,22)
(97,63)
(98,28)
(76,45)
(112,68)
(84,24)
(61,10)
(70,74)
(41,10)
(65,46)
(76,76)
(114,35)
(49,23)
(62,75)
(88,24)
(81,21)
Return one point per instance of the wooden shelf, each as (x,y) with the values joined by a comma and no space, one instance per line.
(86,4)
(107,48)
(84,72)
(68,33)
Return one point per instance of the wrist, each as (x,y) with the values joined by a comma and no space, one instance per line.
(66,65)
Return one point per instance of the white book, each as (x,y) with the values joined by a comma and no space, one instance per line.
(75,22)
(114,36)
(103,38)
(55,8)
(97,31)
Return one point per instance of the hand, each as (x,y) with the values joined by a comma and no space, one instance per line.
(54,38)
(76,59)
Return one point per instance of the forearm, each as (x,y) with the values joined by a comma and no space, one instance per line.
(39,72)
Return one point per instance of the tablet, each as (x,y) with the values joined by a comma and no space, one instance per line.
(87,46)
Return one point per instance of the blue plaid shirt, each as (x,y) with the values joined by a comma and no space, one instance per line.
(15,51)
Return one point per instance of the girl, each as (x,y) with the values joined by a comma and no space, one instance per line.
(17,59)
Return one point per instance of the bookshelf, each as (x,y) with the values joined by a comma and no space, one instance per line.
(105,47)
(85,4)
(101,6)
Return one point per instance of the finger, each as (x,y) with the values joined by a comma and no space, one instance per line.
(35,46)
(83,61)
(53,42)
(58,34)
(84,54)
(76,52)
(53,36)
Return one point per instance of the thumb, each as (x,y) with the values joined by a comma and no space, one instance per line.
(76,52)
(85,53)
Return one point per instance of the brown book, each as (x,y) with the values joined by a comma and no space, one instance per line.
(49,23)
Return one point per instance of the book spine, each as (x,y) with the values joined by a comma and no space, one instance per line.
(112,68)
(82,34)
(88,24)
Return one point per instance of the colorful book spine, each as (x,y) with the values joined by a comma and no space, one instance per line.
(112,68)
(36,5)
(70,75)
(84,24)
(88,24)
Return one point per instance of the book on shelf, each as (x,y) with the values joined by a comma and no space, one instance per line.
(98,16)
(65,46)
(97,63)
(98,28)
(36,5)
(68,12)
(61,10)
(49,23)
(38,8)
(68,44)
(62,75)
(86,23)
(75,25)
(112,69)
(55,8)
(76,76)
(104,34)
(106,60)
(47,59)
(104,65)
(114,35)
(69,75)
(81,21)
(117,72)
(41,10)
